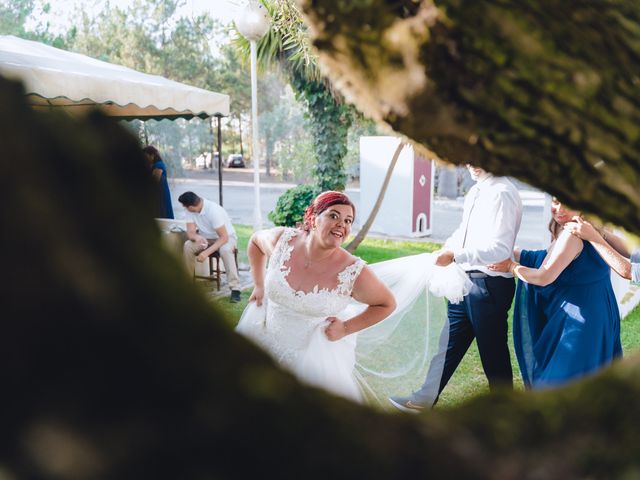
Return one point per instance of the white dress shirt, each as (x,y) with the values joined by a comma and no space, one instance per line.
(490,223)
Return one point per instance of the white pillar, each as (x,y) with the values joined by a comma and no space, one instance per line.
(257,215)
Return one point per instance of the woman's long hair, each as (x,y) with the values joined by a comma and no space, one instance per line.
(153,151)
(555,228)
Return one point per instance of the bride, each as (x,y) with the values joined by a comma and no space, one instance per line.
(314,296)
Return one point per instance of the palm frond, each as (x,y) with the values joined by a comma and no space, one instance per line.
(287,42)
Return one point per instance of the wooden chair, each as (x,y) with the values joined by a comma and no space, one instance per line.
(214,267)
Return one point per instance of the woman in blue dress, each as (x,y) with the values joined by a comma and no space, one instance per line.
(159,174)
(566,322)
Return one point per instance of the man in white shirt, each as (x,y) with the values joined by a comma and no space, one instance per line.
(209,229)
(490,223)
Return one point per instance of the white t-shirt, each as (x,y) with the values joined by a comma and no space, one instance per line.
(211,216)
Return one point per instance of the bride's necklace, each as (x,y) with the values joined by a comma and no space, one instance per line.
(307,260)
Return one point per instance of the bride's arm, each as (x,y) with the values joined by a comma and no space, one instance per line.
(260,246)
(368,289)
(565,250)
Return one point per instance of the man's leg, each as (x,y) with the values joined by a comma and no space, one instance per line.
(190,251)
(489,313)
(226,253)
(460,335)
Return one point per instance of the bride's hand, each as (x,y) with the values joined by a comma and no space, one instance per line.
(444,257)
(335,330)
(503,266)
(257,295)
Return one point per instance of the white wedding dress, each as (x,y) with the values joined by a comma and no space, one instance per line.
(379,361)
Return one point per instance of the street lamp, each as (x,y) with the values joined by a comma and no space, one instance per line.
(253,23)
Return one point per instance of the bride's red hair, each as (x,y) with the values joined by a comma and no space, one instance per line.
(321,203)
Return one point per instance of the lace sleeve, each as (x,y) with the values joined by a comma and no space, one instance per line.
(282,248)
(347,278)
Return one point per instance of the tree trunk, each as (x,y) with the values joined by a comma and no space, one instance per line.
(268,156)
(545,91)
(353,245)
(240,129)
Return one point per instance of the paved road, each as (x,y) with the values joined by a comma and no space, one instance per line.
(447,214)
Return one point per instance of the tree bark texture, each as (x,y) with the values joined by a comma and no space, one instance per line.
(114,365)
(545,91)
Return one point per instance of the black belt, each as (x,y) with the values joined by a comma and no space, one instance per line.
(476,274)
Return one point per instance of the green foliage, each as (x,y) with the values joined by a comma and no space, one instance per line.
(23,18)
(630,332)
(360,127)
(329,121)
(286,44)
(297,157)
(291,205)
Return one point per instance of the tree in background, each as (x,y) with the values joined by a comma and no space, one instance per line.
(231,76)
(274,116)
(287,45)
(16,14)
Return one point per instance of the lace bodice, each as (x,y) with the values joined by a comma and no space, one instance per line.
(293,315)
(317,303)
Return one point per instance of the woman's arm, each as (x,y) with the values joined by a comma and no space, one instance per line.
(565,250)
(156,173)
(259,249)
(617,244)
(369,290)
(610,247)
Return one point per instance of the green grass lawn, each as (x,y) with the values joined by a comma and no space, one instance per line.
(469,379)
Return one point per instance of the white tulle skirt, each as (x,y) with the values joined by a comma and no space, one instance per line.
(390,358)
(305,352)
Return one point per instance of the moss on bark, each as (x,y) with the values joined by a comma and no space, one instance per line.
(545,91)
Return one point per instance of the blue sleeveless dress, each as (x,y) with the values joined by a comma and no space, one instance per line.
(166,209)
(570,328)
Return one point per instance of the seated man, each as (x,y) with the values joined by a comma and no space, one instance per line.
(209,229)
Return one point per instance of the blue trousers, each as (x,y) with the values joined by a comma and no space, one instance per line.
(481,315)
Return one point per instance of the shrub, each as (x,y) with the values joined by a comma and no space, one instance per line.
(291,205)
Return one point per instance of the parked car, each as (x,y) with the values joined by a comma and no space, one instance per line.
(235,160)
